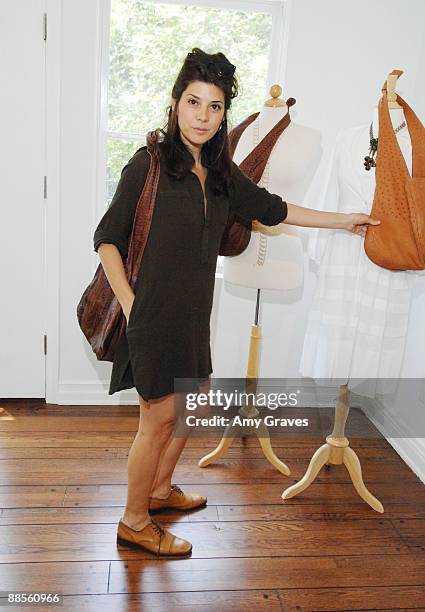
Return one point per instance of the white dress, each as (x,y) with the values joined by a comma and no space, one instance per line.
(358,320)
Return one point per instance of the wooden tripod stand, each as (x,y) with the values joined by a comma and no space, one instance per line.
(336,451)
(250,410)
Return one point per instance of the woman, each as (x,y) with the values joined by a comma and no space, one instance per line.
(168,315)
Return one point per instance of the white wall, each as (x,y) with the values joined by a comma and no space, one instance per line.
(338,55)
(22,203)
(79,373)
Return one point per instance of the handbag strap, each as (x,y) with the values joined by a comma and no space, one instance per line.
(238,130)
(144,211)
(255,162)
(389,152)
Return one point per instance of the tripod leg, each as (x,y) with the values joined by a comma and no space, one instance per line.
(317,461)
(352,463)
(216,453)
(264,439)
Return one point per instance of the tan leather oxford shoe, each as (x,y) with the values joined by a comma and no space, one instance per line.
(152,538)
(178,500)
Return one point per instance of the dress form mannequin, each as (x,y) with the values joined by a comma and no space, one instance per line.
(356,347)
(274,257)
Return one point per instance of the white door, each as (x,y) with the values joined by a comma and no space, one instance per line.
(22,204)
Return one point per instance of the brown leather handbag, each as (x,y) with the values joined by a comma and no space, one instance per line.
(237,234)
(99,313)
(398,243)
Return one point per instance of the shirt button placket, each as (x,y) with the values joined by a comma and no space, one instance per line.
(205,238)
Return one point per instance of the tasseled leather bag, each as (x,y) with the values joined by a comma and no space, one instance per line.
(238,230)
(99,313)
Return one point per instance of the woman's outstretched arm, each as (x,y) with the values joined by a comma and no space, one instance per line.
(253,202)
(308,217)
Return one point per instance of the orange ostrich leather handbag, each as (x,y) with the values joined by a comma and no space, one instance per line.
(398,243)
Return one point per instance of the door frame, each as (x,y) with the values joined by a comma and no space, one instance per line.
(52,219)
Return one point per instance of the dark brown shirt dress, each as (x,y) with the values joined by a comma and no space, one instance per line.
(168,331)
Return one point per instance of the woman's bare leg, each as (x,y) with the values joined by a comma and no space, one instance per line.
(155,427)
(161,485)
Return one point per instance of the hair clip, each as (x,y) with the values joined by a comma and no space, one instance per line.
(221,66)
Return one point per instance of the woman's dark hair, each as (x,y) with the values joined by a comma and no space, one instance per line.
(209,68)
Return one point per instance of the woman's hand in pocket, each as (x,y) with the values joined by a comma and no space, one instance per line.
(127,308)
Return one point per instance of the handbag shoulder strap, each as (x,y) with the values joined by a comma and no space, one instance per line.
(255,162)
(144,211)
(236,133)
(388,147)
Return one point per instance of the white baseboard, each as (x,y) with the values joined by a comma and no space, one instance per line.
(411,450)
(80,392)
(93,393)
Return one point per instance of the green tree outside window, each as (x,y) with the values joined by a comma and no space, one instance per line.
(148,44)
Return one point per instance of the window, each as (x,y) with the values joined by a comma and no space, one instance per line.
(146,44)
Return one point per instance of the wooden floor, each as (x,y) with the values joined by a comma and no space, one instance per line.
(63,474)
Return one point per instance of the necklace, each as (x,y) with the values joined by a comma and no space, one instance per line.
(369,160)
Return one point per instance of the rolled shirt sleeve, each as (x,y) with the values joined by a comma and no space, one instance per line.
(252,202)
(116,224)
